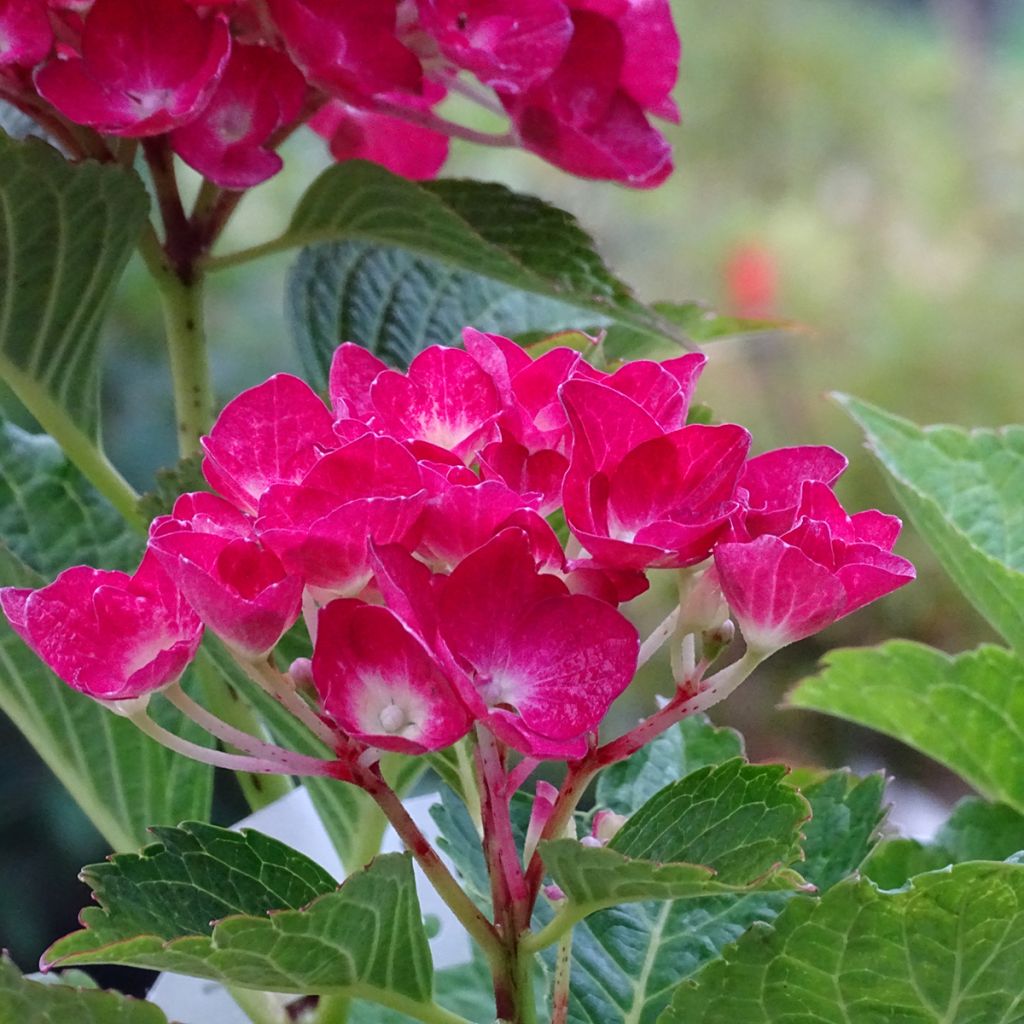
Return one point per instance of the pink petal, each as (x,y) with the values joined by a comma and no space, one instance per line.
(606,424)
(475,615)
(446,400)
(380,684)
(272,433)
(355,133)
(353,370)
(662,389)
(869,573)
(507,44)
(499,357)
(25,33)
(776,593)
(568,659)
(529,474)
(260,92)
(510,729)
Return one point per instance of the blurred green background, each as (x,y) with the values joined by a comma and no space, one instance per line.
(873,152)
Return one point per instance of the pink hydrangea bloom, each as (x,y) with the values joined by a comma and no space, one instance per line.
(108,634)
(508,44)
(25,33)
(260,92)
(379,682)
(638,496)
(541,664)
(351,48)
(272,433)
(239,588)
(356,133)
(783,588)
(444,400)
(590,116)
(146,67)
(368,491)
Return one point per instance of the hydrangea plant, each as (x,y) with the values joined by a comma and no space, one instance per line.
(425,567)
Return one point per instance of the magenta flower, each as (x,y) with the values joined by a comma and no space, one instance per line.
(351,48)
(273,433)
(25,33)
(108,634)
(663,390)
(146,67)
(379,683)
(445,401)
(590,116)
(637,496)
(771,484)
(260,92)
(368,491)
(237,587)
(781,589)
(541,664)
(355,133)
(508,44)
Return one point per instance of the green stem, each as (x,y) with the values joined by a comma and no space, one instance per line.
(255,252)
(84,452)
(563,977)
(186,345)
(562,924)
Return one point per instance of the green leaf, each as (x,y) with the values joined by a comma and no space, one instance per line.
(692,744)
(32,1002)
(966,712)
(627,960)
(976,830)
(739,819)
(962,491)
(846,813)
(396,302)
(697,321)
(362,939)
(195,874)
(448,234)
(50,516)
(66,232)
(945,950)
(723,828)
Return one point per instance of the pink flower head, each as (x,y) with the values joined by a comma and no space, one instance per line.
(261,91)
(380,684)
(771,484)
(663,390)
(460,516)
(541,664)
(445,400)
(108,634)
(349,48)
(353,371)
(507,44)
(238,588)
(25,33)
(368,491)
(637,496)
(356,133)
(781,589)
(146,67)
(590,116)
(272,433)
(531,455)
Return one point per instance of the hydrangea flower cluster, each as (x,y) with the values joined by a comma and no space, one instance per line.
(410,525)
(577,80)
